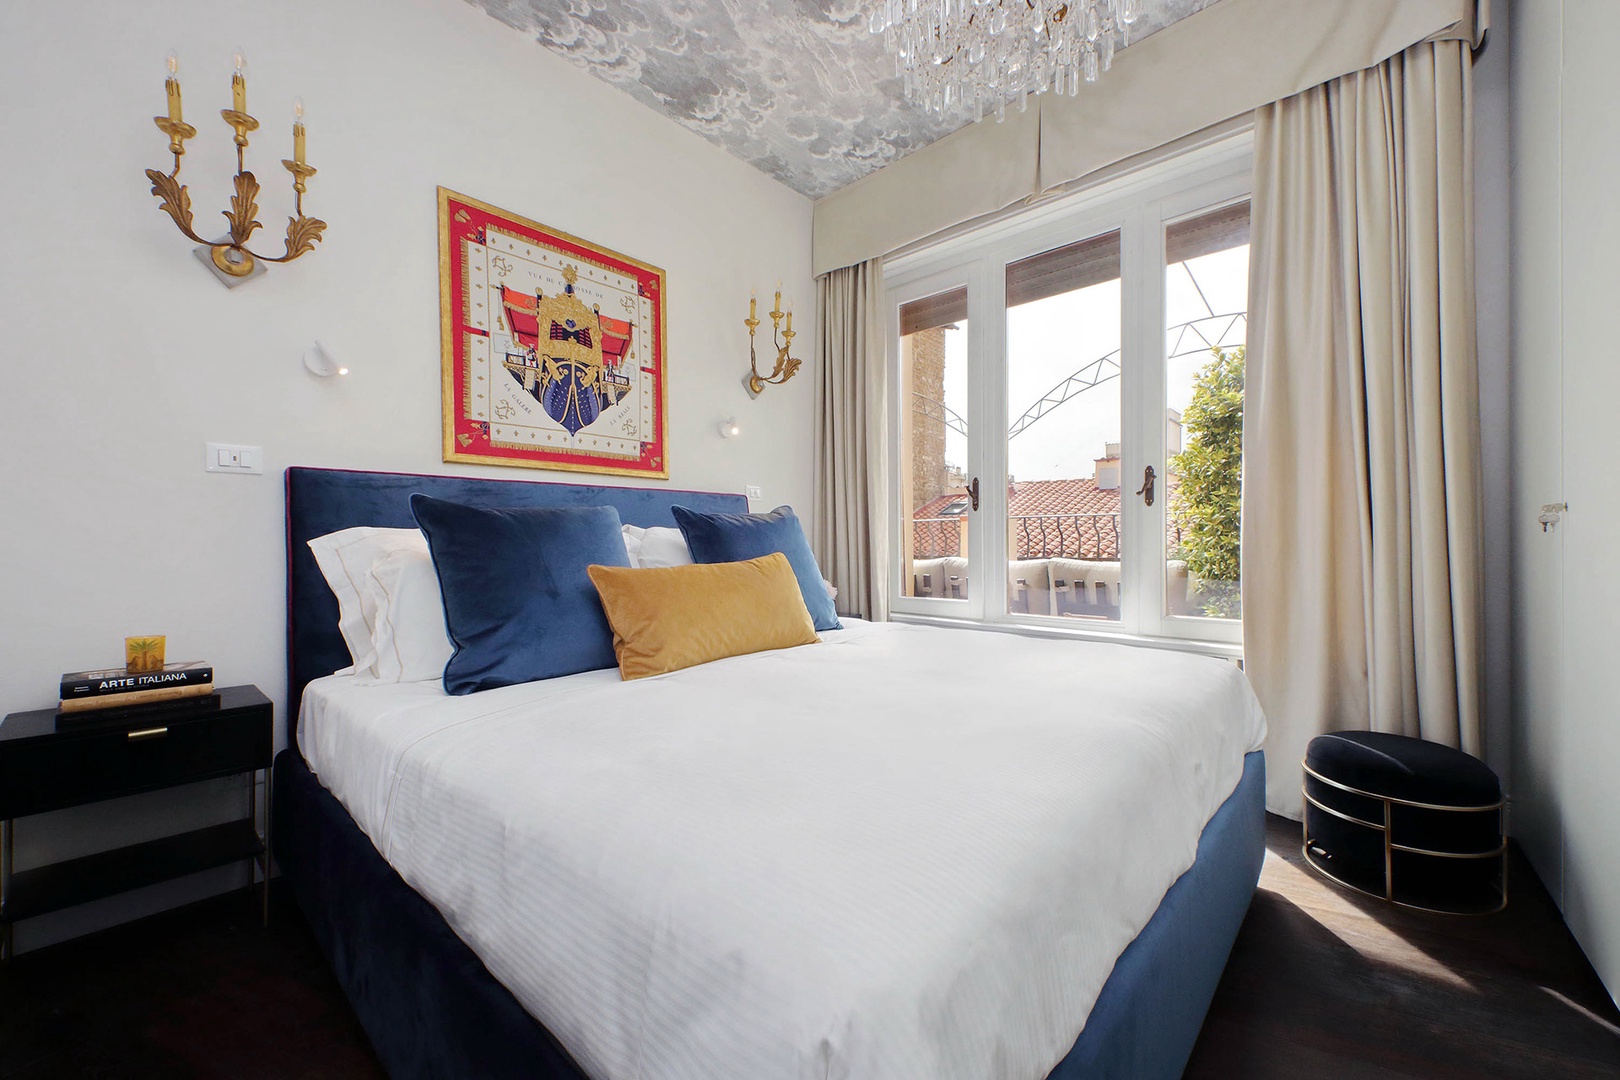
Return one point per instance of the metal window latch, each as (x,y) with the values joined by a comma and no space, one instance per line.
(973,492)
(1146,490)
(1551,515)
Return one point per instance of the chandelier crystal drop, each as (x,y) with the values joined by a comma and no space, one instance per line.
(982,55)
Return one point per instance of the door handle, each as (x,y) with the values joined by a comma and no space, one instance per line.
(1146,490)
(973,492)
(148,733)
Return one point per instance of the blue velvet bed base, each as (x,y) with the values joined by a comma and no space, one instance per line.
(431,1008)
(1148,1015)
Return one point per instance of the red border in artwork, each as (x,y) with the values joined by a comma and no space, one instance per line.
(467,440)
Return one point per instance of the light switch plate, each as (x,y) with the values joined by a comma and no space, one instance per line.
(752,491)
(230,458)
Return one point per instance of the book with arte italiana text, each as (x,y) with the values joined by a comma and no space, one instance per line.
(110,682)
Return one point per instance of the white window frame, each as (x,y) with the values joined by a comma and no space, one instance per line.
(1139,204)
(919,286)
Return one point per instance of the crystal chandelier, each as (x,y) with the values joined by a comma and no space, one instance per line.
(983,54)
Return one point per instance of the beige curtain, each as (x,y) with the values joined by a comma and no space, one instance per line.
(851,421)
(1361,520)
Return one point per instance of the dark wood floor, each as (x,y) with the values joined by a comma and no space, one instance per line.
(1321,984)
(1327,983)
(202,991)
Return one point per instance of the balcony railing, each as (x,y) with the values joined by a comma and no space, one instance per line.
(1065,536)
(1034,536)
(936,537)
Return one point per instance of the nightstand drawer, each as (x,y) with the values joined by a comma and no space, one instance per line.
(37,775)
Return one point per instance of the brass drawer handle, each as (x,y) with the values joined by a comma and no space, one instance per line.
(148,733)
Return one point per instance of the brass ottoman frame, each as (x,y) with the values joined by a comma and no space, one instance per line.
(1390,847)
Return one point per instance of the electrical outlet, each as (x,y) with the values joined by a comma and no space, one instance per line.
(752,491)
(226,458)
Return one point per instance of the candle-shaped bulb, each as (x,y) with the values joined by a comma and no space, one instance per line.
(239,83)
(298,130)
(239,62)
(789,327)
(778,307)
(752,305)
(172,84)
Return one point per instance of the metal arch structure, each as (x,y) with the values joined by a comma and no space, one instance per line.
(1206,333)
(1093,374)
(929,409)
(1194,336)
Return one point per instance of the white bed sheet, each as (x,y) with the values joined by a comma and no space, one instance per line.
(906,852)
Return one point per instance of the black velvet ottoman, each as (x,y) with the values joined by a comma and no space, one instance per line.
(1409,821)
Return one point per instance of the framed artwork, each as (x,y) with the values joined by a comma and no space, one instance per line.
(553,347)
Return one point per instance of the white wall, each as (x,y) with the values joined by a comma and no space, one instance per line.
(1591,378)
(122,355)
(1567,384)
(1537,337)
(1491,287)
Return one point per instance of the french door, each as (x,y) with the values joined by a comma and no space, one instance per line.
(1067,410)
(938,444)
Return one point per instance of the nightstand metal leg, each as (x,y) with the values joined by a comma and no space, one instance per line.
(5,887)
(264,858)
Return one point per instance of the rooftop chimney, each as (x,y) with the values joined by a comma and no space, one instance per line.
(1108,468)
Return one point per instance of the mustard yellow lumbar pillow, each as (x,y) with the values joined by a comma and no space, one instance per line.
(673,617)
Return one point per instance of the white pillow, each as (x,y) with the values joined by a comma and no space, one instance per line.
(632,542)
(346,558)
(664,547)
(410,642)
(669,549)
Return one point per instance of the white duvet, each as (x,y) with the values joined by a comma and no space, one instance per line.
(906,852)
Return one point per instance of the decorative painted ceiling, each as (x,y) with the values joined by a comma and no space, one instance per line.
(797,88)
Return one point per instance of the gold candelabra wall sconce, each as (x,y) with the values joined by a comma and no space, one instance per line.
(782,338)
(229,256)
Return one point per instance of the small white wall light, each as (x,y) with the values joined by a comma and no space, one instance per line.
(322,361)
(728,428)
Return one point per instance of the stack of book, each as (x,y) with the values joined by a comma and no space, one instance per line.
(116,688)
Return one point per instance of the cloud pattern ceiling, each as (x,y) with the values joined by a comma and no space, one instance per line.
(798,88)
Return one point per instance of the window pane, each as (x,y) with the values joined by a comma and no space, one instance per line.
(1064,538)
(933,446)
(1206,312)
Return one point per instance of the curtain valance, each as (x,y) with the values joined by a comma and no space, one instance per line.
(1226,60)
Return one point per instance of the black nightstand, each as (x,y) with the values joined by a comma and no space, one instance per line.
(49,764)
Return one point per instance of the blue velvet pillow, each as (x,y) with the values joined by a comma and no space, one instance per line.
(518,604)
(735,537)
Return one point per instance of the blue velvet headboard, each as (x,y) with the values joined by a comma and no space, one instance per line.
(320,501)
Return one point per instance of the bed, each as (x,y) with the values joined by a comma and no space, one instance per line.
(655,869)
